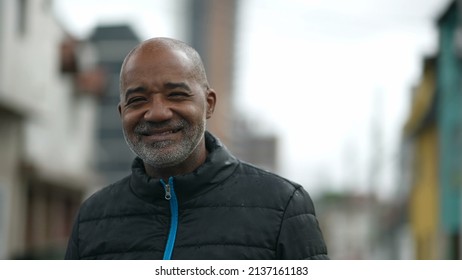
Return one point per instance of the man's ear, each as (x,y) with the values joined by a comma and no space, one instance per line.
(120,110)
(211,98)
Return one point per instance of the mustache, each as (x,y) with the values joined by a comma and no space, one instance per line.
(147,126)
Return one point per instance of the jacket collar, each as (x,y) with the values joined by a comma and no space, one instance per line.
(218,166)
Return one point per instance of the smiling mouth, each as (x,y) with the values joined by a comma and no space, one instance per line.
(159,133)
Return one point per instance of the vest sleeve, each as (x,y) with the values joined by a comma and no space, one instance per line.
(72,252)
(300,236)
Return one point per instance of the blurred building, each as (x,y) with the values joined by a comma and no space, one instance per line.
(433,134)
(113,157)
(362,227)
(449,122)
(421,131)
(47,108)
(349,223)
(258,149)
(212,32)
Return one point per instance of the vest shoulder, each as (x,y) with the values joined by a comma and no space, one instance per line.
(103,198)
(257,176)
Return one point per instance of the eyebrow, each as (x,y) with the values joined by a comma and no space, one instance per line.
(171,85)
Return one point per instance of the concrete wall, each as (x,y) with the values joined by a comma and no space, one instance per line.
(46,128)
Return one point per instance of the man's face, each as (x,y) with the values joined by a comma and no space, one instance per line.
(163,107)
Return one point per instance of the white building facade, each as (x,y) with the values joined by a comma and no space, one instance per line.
(47,117)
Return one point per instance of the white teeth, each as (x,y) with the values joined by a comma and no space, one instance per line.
(161,133)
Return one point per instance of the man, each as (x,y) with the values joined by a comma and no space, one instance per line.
(187,196)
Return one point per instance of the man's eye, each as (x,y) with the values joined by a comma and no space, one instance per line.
(178,94)
(135,99)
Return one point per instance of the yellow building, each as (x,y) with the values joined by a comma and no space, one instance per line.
(422,132)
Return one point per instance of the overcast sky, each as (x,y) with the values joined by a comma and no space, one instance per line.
(318,73)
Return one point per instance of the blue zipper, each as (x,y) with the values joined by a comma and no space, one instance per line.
(171,196)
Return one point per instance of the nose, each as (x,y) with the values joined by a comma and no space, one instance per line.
(158,110)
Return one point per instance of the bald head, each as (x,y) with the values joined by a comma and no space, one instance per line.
(156,45)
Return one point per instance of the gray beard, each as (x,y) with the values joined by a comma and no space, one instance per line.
(155,155)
